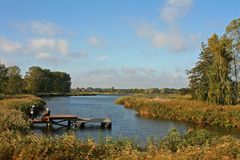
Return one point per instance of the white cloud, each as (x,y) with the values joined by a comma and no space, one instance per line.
(102,58)
(44,56)
(43,28)
(130,77)
(8,46)
(172,40)
(174,9)
(96,42)
(46,44)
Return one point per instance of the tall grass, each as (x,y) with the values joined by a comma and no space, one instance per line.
(193,145)
(184,109)
(14,111)
(22,103)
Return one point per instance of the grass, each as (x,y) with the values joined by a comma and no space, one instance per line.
(184,109)
(22,103)
(193,145)
(14,112)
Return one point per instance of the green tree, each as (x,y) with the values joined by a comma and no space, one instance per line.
(14,80)
(233,32)
(220,83)
(198,75)
(3,77)
(210,79)
(35,80)
(61,82)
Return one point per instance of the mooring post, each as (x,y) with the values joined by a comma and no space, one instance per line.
(82,125)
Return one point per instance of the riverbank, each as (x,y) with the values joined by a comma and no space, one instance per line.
(14,111)
(183,109)
(17,141)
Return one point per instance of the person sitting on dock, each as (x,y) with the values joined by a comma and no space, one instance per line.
(46,115)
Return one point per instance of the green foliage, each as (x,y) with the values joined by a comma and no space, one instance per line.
(40,80)
(14,81)
(211,79)
(3,76)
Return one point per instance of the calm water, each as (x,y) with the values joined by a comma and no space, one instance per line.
(125,123)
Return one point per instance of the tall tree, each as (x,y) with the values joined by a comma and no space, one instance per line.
(198,76)
(3,77)
(14,80)
(220,83)
(210,79)
(233,32)
(35,80)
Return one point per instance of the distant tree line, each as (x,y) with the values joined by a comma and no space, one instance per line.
(36,80)
(133,90)
(215,76)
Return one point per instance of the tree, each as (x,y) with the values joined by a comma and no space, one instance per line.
(14,80)
(61,82)
(233,32)
(198,76)
(3,77)
(220,82)
(210,79)
(34,79)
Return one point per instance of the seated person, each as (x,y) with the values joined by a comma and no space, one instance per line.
(46,115)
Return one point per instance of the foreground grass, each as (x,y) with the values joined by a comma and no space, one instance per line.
(193,145)
(184,109)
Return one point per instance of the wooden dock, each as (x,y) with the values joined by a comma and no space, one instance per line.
(72,120)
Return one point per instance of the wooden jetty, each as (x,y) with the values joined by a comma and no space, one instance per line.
(72,120)
(105,122)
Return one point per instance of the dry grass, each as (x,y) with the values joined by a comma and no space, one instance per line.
(183,109)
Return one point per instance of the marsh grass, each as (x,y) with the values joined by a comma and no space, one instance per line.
(14,112)
(22,103)
(198,144)
(184,109)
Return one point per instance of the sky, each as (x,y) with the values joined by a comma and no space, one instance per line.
(120,43)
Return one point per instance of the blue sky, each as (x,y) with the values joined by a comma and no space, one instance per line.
(125,44)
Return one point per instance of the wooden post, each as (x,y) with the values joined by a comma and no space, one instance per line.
(103,125)
(69,123)
(82,125)
(109,125)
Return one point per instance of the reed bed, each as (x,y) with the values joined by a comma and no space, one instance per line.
(193,145)
(184,109)
(22,103)
(14,111)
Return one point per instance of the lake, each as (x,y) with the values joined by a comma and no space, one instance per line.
(125,122)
